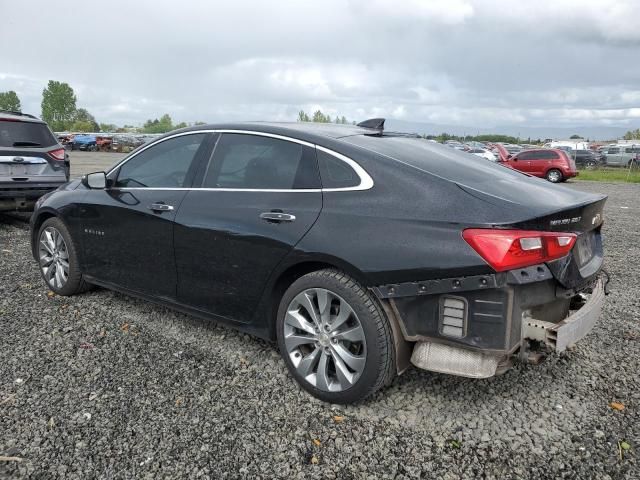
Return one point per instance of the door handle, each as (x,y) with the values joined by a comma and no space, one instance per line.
(160,207)
(277,217)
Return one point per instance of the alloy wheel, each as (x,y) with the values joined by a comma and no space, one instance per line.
(54,257)
(324,340)
(554,176)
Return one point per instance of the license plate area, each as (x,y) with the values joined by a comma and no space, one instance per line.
(585,248)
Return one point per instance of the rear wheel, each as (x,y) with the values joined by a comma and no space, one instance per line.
(554,175)
(334,338)
(58,259)
(590,165)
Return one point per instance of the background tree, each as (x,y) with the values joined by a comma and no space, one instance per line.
(10,101)
(575,136)
(82,116)
(303,117)
(180,125)
(632,134)
(58,105)
(82,126)
(320,117)
(163,125)
(108,127)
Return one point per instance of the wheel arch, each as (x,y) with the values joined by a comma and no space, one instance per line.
(288,273)
(36,223)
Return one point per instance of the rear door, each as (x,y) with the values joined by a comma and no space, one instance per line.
(259,195)
(127,228)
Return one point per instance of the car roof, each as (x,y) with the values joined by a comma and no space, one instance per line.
(18,117)
(309,131)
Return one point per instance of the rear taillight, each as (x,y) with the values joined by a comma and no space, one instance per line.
(58,155)
(508,249)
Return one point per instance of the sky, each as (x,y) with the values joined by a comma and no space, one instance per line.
(480,63)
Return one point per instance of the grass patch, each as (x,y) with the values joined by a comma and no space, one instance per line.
(611,175)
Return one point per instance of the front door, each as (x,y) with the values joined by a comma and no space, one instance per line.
(259,196)
(127,229)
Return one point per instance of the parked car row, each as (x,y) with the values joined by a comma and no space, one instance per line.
(123,143)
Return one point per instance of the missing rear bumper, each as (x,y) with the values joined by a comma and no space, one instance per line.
(559,336)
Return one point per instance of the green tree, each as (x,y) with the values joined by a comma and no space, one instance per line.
(632,134)
(58,105)
(575,136)
(343,120)
(82,126)
(302,116)
(163,125)
(84,117)
(180,125)
(108,127)
(10,101)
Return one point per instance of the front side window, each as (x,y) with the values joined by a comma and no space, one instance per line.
(528,156)
(244,161)
(164,165)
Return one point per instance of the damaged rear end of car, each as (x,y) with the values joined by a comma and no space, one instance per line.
(542,288)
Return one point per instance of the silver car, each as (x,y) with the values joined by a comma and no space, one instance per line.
(622,155)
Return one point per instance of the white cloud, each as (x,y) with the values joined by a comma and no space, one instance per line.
(477,63)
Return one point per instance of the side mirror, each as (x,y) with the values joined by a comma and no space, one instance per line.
(96,180)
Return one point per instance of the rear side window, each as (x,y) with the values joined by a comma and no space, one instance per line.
(336,173)
(25,134)
(613,150)
(246,161)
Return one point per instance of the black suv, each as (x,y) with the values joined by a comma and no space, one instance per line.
(32,161)
(587,158)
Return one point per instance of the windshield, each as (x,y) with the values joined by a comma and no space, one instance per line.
(25,134)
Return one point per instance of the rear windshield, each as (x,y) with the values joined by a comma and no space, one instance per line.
(25,134)
(436,159)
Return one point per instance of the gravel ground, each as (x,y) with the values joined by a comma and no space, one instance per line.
(103,385)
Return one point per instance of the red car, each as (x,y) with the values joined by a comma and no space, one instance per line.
(551,163)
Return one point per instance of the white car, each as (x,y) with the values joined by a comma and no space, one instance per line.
(484,153)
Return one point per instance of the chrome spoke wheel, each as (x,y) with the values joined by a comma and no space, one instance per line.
(54,257)
(324,340)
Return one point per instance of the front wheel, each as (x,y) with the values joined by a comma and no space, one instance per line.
(336,341)
(58,259)
(590,165)
(554,176)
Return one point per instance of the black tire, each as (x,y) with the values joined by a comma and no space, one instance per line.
(379,367)
(75,282)
(591,165)
(554,175)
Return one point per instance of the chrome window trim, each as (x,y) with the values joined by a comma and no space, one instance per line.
(366,182)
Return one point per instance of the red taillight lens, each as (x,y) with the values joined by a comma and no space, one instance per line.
(508,249)
(58,154)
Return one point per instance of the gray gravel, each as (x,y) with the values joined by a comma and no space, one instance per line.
(103,385)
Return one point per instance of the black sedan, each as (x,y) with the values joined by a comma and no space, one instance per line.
(358,250)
